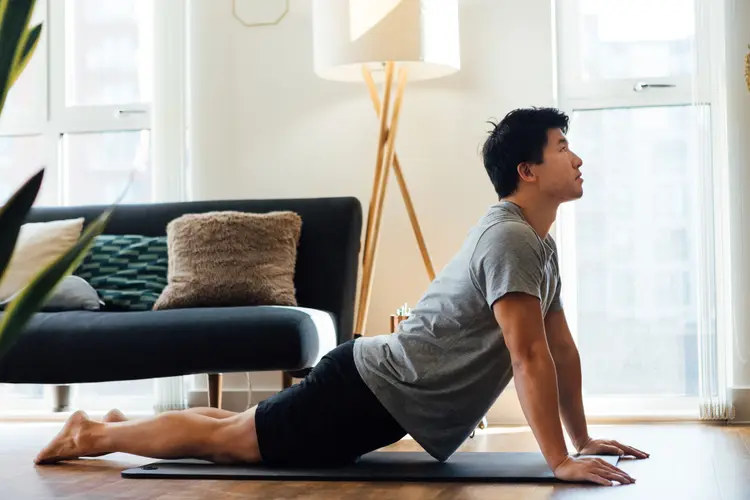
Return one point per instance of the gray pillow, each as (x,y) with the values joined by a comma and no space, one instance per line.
(71,294)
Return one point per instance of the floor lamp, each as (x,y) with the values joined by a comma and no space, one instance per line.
(370,41)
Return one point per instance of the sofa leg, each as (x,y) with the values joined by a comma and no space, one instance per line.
(286,380)
(214,390)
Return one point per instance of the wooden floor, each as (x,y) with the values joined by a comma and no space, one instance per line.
(687,461)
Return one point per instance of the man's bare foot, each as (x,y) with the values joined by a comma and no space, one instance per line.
(70,443)
(114,416)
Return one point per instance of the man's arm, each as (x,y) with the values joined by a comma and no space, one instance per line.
(568,368)
(520,318)
(506,267)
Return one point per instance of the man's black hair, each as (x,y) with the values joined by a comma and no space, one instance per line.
(520,137)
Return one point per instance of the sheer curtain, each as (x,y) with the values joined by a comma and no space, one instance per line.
(169,146)
(170,394)
(709,135)
(725,370)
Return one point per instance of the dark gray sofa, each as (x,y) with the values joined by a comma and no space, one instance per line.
(96,346)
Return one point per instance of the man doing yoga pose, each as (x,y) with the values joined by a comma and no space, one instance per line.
(493,313)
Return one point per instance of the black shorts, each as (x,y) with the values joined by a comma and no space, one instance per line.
(330,418)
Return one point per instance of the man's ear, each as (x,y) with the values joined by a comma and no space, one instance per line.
(524,170)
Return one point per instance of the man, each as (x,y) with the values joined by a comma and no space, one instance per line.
(492,314)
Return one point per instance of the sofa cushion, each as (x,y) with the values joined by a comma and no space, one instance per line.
(71,293)
(37,246)
(128,271)
(86,346)
(229,258)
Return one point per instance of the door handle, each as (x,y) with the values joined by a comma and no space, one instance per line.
(127,112)
(640,86)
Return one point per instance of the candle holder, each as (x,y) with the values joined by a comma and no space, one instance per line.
(395,320)
(402,313)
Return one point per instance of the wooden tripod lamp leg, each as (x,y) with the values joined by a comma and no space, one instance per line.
(380,176)
(402,185)
(387,159)
(379,161)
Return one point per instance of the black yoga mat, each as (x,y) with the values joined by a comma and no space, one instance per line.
(375,466)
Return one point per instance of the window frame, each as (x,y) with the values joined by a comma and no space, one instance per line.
(577,94)
(164,117)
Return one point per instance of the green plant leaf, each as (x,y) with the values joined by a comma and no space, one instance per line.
(3,7)
(12,216)
(30,42)
(31,298)
(14,23)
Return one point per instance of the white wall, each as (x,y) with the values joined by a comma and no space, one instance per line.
(263,125)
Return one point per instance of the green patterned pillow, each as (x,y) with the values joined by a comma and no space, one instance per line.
(128,271)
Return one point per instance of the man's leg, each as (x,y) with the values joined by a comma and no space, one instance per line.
(170,435)
(329,418)
(117,416)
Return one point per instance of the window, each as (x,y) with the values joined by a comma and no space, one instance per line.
(82,109)
(636,264)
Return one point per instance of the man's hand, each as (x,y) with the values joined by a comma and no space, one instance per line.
(610,447)
(594,470)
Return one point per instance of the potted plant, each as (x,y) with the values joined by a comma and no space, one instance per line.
(18,41)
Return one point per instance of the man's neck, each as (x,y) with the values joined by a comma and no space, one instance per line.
(540,215)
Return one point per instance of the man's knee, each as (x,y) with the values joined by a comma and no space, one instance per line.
(236,440)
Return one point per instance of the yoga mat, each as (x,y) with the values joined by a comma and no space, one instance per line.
(375,466)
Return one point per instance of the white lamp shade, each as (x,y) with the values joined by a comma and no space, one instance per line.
(419,34)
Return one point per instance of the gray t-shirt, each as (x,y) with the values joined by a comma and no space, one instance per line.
(447,364)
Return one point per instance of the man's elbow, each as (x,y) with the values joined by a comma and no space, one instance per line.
(531,357)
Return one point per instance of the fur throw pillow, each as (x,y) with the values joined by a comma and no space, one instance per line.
(224,259)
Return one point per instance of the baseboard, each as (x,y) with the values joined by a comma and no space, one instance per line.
(47,417)
(231,399)
(506,410)
(741,399)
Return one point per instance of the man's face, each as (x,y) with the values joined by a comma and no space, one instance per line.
(559,175)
